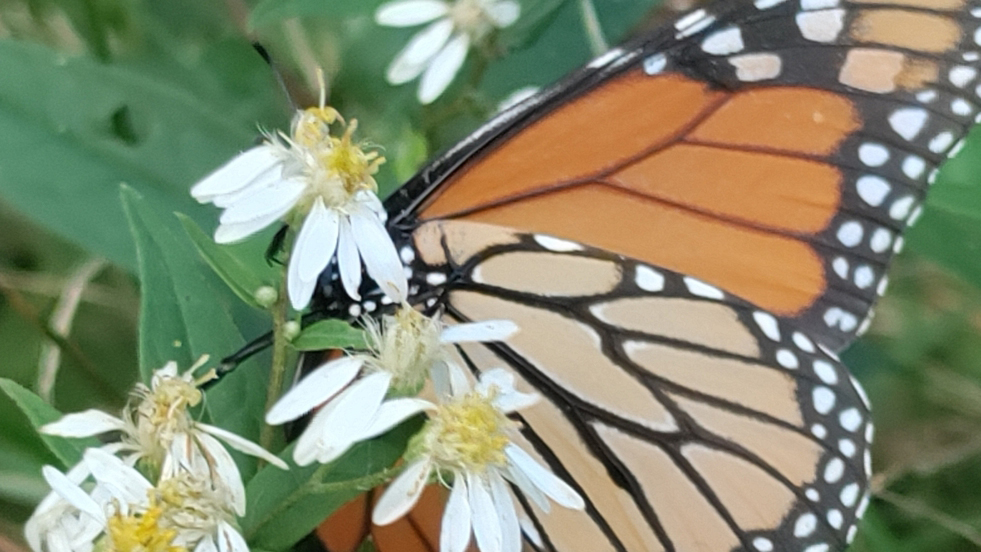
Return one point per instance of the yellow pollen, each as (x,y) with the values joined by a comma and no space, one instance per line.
(140,533)
(170,397)
(470,434)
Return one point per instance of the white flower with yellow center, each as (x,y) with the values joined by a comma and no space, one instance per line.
(157,430)
(125,512)
(470,438)
(438,51)
(321,184)
(404,351)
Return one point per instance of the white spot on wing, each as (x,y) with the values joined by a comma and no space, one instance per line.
(850,233)
(557,245)
(756,67)
(864,277)
(724,42)
(872,189)
(942,141)
(787,359)
(767,4)
(821,26)
(850,419)
(817,4)
(605,58)
(649,279)
(655,64)
(881,240)
(826,371)
(914,167)
(840,266)
(768,324)
(873,155)
(962,75)
(908,121)
(701,289)
(693,23)
(834,470)
(805,525)
(824,399)
(901,208)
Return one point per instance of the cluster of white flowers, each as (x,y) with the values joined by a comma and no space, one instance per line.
(468,437)
(189,498)
(438,51)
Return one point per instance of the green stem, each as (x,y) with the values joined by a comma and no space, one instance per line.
(279,356)
(594,33)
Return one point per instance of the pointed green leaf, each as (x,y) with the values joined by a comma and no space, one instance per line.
(38,412)
(329,334)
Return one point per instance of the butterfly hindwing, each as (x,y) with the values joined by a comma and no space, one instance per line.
(688,419)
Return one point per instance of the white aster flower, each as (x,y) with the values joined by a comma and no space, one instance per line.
(157,430)
(324,186)
(124,511)
(438,51)
(404,351)
(469,437)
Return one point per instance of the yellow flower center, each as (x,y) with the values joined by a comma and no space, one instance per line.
(406,347)
(469,433)
(140,533)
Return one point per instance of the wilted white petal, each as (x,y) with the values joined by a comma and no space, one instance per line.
(315,389)
(443,68)
(439,374)
(355,409)
(72,493)
(229,540)
(530,531)
(349,260)
(510,529)
(235,174)
(260,205)
(393,412)
(83,424)
(403,493)
(230,233)
(410,12)
(109,470)
(314,247)
(224,468)
(242,444)
(380,257)
(459,382)
(487,330)
(506,399)
(455,533)
(504,12)
(548,482)
(206,545)
(412,60)
(485,518)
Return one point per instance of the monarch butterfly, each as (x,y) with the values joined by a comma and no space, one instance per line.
(687,230)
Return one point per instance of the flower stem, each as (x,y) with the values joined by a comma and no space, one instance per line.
(590,21)
(278,370)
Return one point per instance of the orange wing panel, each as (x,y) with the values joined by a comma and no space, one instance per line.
(800,120)
(755,188)
(581,138)
(779,273)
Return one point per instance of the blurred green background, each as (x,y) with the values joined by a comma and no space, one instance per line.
(155,94)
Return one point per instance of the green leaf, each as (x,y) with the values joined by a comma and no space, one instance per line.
(72,130)
(329,334)
(187,312)
(38,412)
(239,265)
(285,506)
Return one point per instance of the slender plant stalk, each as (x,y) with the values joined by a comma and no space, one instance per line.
(594,33)
(279,356)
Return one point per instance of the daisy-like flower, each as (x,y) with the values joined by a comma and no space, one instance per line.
(405,350)
(157,430)
(124,511)
(321,184)
(438,51)
(469,437)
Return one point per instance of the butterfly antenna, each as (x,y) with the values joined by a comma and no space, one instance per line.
(262,51)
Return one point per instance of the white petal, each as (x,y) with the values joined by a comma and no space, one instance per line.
(229,540)
(260,205)
(355,409)
(83,424)
(313,250)
(242,444)
(393,412)
(443,68)
(485,518)
(487,330)
(380,257)
(206,545)
(309,445)
(459,382)
(403,493)
(503,13)
(109,470)
(410,12)
(315,389)
(548,482)
(349,260)
(506,399)
(439,373)
(224,468)
(531,492)
(231,233)
(412,60)
(269,179)
(235,174)
(510,529)
(72,493)
(455,533)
